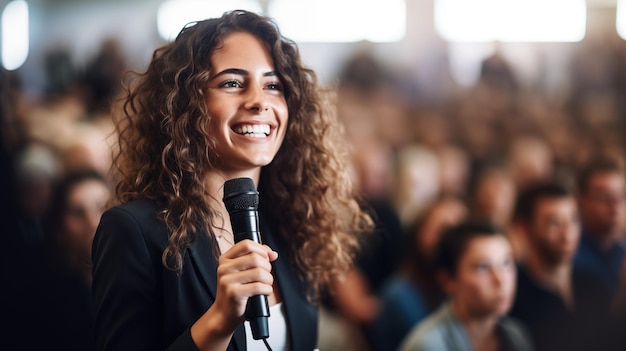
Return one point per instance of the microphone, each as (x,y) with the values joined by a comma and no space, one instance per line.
(242,202)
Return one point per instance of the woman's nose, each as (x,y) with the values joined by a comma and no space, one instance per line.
(255,99)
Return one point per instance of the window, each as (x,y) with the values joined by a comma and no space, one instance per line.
(14,34)
(173,15)
(300,20)
(620,18)
(340,20)
(511,20)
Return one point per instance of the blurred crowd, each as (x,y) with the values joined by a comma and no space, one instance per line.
(56,158)
(547,170)
(501,152)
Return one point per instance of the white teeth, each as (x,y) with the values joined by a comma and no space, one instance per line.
(257,135)
(254,130)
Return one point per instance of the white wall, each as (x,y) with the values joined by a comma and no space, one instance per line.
(82,25)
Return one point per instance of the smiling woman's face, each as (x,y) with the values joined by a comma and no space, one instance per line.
(246,103)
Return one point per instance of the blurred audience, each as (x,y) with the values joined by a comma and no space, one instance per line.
(102,77)
(354,302)
(80,199)
(492,194)
(454,164)
(417,182)
(51,211)
(562,306)
(602,204)
(412,293)
(476,269)
(531,160)
(65,283)
(37,168)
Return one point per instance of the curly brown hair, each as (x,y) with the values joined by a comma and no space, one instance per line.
(165,149)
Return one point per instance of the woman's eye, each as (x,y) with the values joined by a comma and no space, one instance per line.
(230,84)
(483,267)
(274,86)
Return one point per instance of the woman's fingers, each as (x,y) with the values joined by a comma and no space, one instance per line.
(248,246)
(245,270)
(273,255)
(247,255)
(238,286)
(247,276)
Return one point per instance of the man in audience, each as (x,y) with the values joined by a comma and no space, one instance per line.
(602,204)
(561,305)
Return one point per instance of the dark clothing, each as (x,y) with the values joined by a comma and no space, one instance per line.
(603,264)
(402,306)
(51,299)
(141,305)
(21,293)
(68,312)
(551,323)
(378,259)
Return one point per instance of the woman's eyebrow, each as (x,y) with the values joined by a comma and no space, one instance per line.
(241,72)
(237,71)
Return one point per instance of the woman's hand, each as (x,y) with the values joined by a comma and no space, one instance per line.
(243,271)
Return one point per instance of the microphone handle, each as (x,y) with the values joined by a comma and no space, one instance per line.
(245,225)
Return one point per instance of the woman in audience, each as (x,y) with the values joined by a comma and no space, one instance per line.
(476,269)
(64,296)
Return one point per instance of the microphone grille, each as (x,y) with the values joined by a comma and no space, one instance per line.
(240,194)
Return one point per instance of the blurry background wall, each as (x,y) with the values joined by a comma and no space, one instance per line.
(81,26)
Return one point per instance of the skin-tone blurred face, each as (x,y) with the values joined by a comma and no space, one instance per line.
(532,160)
(373,167)
(443,215)
(496,197)
(454,169)
(246,103)
(85,204)
(554,229)
(603,204)
(484,285)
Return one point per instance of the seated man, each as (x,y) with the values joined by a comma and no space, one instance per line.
(476,268)
(561,305)
(602,205)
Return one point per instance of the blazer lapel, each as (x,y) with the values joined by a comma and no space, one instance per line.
(201,257)
(300,314)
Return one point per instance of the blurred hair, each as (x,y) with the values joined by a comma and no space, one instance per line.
(454,242)
(529,197)
(599,163)
(54,218)
(166,149)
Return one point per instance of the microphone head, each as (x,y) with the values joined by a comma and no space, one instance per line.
(240,194)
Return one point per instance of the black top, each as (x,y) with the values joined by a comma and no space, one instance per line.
(141,305)
(551,323)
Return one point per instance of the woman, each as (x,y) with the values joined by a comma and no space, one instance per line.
(80,199)
(65,285)
(228,98)
(476,270)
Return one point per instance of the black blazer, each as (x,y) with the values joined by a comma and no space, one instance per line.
(141,305)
